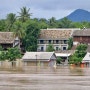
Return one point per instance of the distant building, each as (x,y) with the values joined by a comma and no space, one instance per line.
(39,58)
(7,40)
(57,37)
(81,36)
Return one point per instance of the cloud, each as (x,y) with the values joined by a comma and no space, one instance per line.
(43,8)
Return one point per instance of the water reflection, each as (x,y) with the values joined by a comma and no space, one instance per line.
(44,78)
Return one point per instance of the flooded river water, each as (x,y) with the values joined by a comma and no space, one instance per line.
(45,78)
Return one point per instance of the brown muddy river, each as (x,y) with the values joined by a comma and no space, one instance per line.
(45,78)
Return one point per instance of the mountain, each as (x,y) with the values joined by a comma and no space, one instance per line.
(79,15)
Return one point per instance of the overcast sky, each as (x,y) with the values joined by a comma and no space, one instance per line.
(43,8)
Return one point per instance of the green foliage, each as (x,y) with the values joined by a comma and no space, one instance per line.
(77,57)
(1,49)
(10,21)
(24,14)
(18,30)
(30,40)
(70,43)
(3,55)
(59,60)
(2,25)
(81,47)
(50,48)
(13,54)
(65,23)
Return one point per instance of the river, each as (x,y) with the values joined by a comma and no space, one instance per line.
(45,78)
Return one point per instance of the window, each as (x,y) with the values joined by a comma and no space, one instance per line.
(41,41)
(65,41)
(57,41)
(57,48)
(49,41)
(42,48)
(64,48)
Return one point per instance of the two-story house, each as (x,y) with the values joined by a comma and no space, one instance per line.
(57,37)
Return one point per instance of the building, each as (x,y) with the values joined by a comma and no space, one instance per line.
(81,36)
(7,40)
(57,37)
(86,59)
(64,55)
(39,58)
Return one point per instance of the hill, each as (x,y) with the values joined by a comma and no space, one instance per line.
(79,15)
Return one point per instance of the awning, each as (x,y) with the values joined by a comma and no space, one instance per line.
(63,54)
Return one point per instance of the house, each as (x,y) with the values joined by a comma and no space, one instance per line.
(8,40)
(64,55)
(57,37)
(39,58)
(86,59)
(81,36)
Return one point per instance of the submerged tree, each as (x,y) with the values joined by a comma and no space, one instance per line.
(13,54)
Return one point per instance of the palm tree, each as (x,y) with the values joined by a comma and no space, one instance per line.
(19,31)
(10,20)
(24,14)
(52,22)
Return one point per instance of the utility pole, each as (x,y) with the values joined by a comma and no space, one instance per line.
(36,59)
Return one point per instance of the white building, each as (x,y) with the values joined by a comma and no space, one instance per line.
(57,37)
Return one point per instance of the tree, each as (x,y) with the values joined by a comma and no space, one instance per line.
(19,31)
(59,60)
(3,55)
(80,52)
(50,48)
(70,43)
(52,22)
(13,54)
(32,33)
(1,49)
(10,21)
(2,25)
(65,23)
(24,14)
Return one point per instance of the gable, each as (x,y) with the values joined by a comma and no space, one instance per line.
(53,57)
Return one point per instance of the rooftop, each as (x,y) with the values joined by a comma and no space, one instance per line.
(85,32)
(6,37)
(55,33)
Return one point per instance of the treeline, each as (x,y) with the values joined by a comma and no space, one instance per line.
(27,29)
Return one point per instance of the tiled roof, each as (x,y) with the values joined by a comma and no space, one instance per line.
(55,34)
(6,37)
(81,33)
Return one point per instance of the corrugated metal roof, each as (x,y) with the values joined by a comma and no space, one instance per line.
(38,55)
(86,58)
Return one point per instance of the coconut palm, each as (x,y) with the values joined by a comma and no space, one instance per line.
(24,14)
(18,30)
(10,20)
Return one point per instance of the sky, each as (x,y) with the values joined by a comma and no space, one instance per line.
(43,8)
